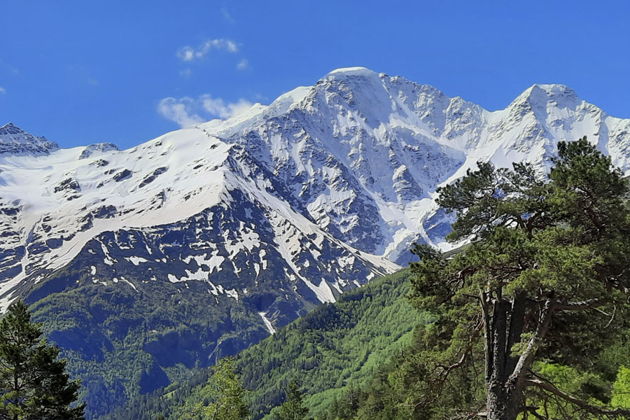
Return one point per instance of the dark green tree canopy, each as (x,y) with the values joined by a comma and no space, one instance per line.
(293,407)
(33,381)
(547,261)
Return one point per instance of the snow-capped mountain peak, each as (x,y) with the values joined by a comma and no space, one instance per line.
(540,97)
(348,166)
(15,141)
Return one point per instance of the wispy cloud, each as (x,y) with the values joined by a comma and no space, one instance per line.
(243,64)
(2,90)
(181,111)
(188,53)
(227,15)
(187,111)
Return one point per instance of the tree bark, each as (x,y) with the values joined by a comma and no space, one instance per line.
(504,328)
(502,402)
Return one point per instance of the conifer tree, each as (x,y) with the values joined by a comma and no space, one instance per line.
(548,262)
(225,393)
(293,407)
(33,381)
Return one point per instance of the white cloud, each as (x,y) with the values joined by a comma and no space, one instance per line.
(188,53)
(2,90)
(181,111)
(219,108)
(243,64)
(187,111)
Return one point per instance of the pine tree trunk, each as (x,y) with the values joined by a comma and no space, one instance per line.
(502,403)
(503,398)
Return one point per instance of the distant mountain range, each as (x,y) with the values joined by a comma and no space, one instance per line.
(205,240)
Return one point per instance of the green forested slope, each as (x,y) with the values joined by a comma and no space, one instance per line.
(124,342)
(361,357)
(333,348)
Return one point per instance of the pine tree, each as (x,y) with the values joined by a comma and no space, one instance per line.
(293,407)
(33,381)
(547,263)
(225,393)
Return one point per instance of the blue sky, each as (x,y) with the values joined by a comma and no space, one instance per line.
(80,72)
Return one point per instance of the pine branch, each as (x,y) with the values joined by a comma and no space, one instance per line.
(593,409)
(446,370)
(579,306)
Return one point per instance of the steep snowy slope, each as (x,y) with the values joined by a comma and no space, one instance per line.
(141,250)
(54,205)
(364,152)
(15,141)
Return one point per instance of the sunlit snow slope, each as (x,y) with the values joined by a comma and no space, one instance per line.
(326,187)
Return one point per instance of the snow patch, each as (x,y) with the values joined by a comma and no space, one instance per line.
(136,260)
(267,322)
(322,291)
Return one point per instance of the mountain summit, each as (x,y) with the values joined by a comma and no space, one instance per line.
(355,157)
(15,141)
(213,236)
